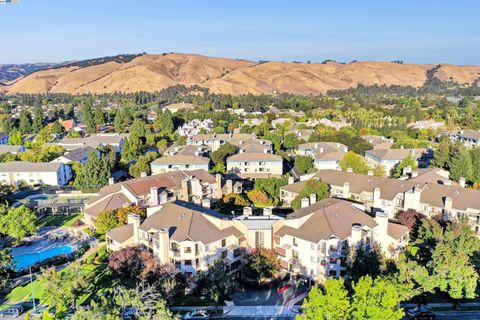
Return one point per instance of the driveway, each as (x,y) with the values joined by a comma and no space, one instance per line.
(266,296)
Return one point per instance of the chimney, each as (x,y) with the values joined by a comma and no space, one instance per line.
(448,204)
(414,174)
(381,218)
(111,181)
(185,193)
(143,175)
(447,182)
(322,150)
(345,149)
(350,170)
(229,186)
(313,198)
(291,180)
(356,234)
(154,196)
(346,190)
(407,170)
(401,147)
(305,202)
(163,246)
(135,221)
(412,152)
(461,182)
(370,172)
(247,211)
(206,203)
(218,181)
(267,211)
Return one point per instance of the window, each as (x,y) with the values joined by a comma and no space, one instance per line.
(333,260)
(259,239)
(295,242)
(312,259)
(187,250)
(332,273)
(313,246)
(196,248)
(323,247)
(295,254)
(224,254)
(188,262)
(224,242)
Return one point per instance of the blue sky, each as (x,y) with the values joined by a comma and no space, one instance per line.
(417,31)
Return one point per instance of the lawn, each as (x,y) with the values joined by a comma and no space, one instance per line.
(93,265)
(59,220)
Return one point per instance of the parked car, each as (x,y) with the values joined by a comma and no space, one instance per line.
(284,288)
(14,311)
(421,313)
(197,315)
(40,310)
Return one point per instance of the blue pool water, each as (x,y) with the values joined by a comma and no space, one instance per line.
(28,259)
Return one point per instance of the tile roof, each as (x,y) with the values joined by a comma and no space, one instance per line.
(186,221)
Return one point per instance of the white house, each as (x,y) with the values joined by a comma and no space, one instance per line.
(34,173)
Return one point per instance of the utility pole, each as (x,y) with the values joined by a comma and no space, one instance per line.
(31,284)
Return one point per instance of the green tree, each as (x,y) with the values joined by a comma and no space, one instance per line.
(271,185)
(376,299)
(409,161)
(5,267)
(106,221)
(25,122)
(99,116)
(304,164)
(57,128)
(442,154)
(366,262)
(37,123)
(138,128)
(331,303)
(88,120)
(259,198)
(94,173)
(355,162)
(460,162)
(15,138)
(223,152)
(164,122)
(442,258)
(475,156)
(313,186)
(17,222)
(132,148)
(217,282)
(262,263)
(290,141)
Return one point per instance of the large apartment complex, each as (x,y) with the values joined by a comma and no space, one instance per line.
(310,241)
(35,173)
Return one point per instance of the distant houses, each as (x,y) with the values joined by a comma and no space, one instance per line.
(470,138)
(326,155)
(35,173)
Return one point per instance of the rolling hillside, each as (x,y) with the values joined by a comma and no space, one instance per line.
(154,72)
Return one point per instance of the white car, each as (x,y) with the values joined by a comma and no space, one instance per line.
(197,315)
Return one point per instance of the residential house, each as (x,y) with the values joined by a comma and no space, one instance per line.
(5,148)
(427,124)
(182,158)
(94,141)
(378,142)
(326,155)
(389,158)
(470,138)
(34,173)
(214,141)
(79,155)
(252,165)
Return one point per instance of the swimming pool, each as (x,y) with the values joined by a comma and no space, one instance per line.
(25,260)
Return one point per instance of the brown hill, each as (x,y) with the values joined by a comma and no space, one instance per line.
(154,72)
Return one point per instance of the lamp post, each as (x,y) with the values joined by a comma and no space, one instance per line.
(33,290)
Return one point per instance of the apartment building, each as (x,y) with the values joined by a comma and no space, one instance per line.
(252,165)
(301,134)
(378,142)
(197,186)
(188,236)
(214,141)
(470,138)
(192,237)
(389,158)
(313,240)
(429,193)
(427,124)
(35,173)
(93,141)
(326,155)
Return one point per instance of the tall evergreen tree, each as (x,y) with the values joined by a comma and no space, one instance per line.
(460,162)
(37,123)
(25,122)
